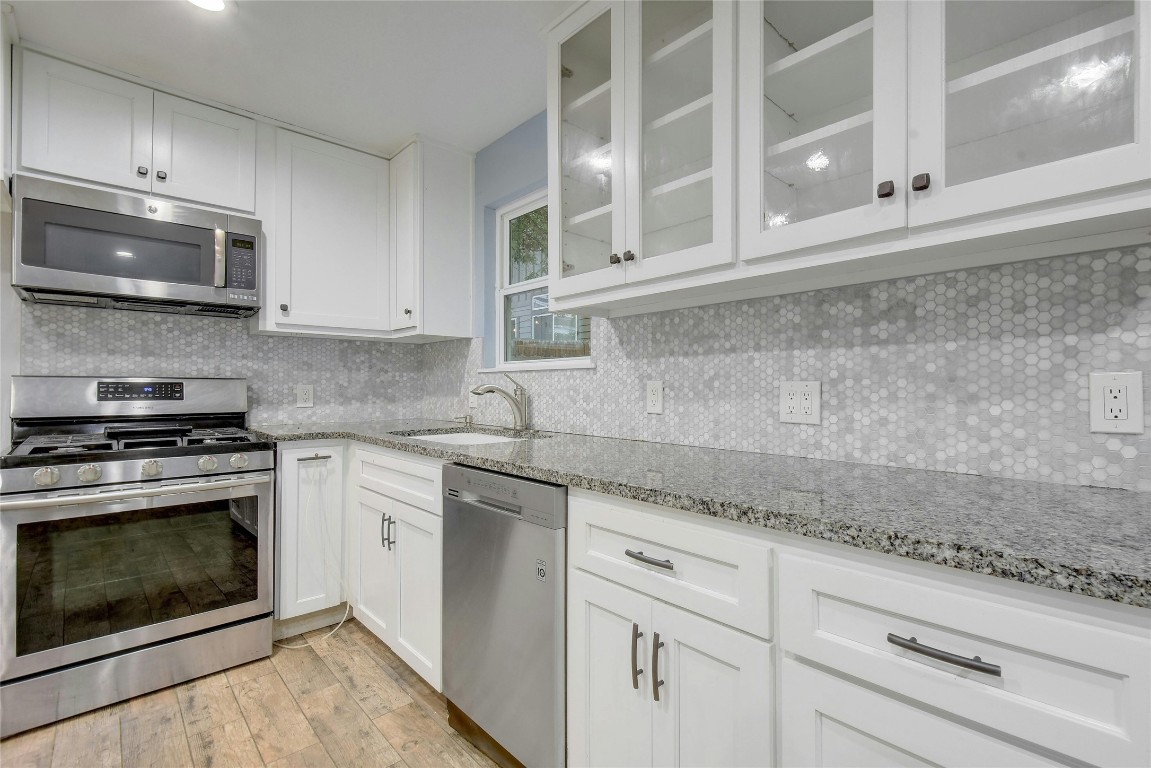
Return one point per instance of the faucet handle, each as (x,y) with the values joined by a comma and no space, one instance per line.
(467,419)
(513,381)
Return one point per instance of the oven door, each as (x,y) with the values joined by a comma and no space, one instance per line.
(85,576)
(80,240)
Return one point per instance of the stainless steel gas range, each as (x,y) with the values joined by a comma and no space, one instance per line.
(135,541)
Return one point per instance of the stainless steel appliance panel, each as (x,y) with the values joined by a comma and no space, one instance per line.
(47,698)
(45,397)
(503,622)
(38,575)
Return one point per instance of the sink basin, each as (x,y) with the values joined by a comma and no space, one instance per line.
(465,438)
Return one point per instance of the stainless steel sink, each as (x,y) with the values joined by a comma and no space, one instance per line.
(465,438)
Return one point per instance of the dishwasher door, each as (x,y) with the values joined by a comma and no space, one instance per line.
(503,622)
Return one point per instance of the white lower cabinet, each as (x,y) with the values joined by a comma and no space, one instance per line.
(832,723)
(398,536)
(651,684)
(309,529)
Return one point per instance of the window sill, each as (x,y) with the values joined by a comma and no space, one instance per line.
(548,365)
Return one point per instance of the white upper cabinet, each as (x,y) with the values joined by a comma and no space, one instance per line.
(331,236)
(87,125)
(201,153)
(823,115)
(640,122)
(1014,103)
(76,122)
(362,247)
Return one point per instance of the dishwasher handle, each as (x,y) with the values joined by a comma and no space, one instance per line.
(489,507)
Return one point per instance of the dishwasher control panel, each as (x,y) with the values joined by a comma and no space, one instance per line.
(536,502)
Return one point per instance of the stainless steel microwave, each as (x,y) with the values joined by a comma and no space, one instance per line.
(88,247)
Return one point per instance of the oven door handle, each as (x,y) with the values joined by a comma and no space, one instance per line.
(135,493)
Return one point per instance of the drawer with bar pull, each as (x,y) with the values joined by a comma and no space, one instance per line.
(1046,676)
(712,572)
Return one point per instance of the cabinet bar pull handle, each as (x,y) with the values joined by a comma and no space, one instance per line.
(635,670)
(921,182)
(975,663)
(667,565)
(655,681)
(628,256)
(614,259)
(391,541)
(383,527)
(317,457)
(885,189)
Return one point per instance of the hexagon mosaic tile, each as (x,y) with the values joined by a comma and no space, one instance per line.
(352,379)
(978,371)
(981,371)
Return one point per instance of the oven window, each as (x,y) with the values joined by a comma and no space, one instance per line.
(82,578)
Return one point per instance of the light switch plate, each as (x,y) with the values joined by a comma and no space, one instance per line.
(799,402)
(1116,403)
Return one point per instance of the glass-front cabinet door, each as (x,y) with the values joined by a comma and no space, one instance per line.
(680,68)
(585,150)
(1022,101)
(823,122)
(641,128)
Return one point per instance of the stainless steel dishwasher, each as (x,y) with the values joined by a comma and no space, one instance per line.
(504,593)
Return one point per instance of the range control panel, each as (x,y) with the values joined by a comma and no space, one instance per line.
(139,390)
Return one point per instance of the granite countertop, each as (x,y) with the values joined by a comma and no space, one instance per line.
(1090,541)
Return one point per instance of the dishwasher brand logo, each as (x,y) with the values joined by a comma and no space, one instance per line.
(542,570)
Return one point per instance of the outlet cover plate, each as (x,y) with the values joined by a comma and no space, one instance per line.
(800,402)
(1100,382)
(653,397)
(305,396)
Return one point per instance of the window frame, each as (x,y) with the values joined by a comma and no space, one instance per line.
(504,215)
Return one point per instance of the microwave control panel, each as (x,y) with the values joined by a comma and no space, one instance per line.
(241,263)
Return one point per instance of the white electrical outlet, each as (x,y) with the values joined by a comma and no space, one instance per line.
(473,400)
(1117,402)
(654,397)
(305,396)
(799,402)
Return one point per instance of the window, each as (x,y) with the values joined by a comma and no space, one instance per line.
(530,333)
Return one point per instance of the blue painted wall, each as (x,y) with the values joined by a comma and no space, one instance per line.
(509,168)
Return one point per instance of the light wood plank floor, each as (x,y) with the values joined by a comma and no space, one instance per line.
(345,701)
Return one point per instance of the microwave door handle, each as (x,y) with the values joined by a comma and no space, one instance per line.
(221,274)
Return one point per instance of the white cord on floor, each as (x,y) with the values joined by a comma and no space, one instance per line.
(326,551)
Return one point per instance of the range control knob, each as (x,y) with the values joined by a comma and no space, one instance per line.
(151,468)
(207,463)
(46,476)
(89,473)
(238,461)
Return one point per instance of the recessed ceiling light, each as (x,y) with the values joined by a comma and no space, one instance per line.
(125,254)
(208,5)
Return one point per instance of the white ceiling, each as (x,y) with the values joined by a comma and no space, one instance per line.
(369,73)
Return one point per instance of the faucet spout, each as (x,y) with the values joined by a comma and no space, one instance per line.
(518,402)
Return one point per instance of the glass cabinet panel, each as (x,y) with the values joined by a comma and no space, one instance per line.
(677,106)
(587,161)
(818,89)
(1036,81)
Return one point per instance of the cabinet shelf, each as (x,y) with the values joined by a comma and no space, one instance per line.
(676,115)
(820,134)
(834,71)
(672,186)
(591,223)
(591,112)
(679,43)
(1039,56)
